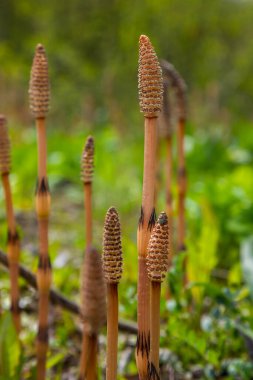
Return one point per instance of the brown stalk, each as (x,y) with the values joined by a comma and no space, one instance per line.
(157,266)
(166,132)
(150,98)
(13,242)
(112,266)
(180,89)
(39,102)
(87,166)
(93,291)
(93,312)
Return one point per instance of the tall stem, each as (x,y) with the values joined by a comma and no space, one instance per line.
(169,204)
(13,252)
(181,190)
(112,331)
(146,223)
(44,268)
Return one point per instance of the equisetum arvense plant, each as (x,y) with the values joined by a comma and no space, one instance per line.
(179,87)
(87,168)
(166,131)
(39,104)
(93,312)
(150,98)
(157,266)
(93,287)
(13,242)
(112,266)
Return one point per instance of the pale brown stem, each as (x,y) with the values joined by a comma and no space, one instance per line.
(8,204)
(112,332)
(42,148)
(93,362)
(146,223)
(84,356)
(42,342)
(181,191)
(169,204)
(13,251)
(88,361)
(88,212)
(155,324)
(148,189)
(44,270)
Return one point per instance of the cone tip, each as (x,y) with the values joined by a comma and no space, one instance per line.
(143,38)
(162,219)
(112,210)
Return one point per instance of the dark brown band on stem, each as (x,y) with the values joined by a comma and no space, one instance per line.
(44,262)
(141,218)
(12,237)
(143,343)
(43,334)
(182,248)
(152,372)
(182,172)
(15,308)
(152,220)
(42,186)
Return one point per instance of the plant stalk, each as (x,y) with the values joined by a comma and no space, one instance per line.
(112,331)
(88,212)
(13,249)
(44,268)
(181,191)
(146,223)
(154,328)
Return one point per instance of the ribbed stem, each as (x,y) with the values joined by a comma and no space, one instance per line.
(89,357)
(155,326)
(44,268)
(88,212)
(13,250)
(146,223)
(8,203)
(169,203)
(93,362)
(112,332)
(181,190)
(42,147)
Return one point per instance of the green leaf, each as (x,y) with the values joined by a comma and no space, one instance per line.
(10,350)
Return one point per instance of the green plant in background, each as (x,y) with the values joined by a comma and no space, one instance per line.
(11,358)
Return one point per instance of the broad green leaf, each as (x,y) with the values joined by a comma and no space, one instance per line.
(10,350)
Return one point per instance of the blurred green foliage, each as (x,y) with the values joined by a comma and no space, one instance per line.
(92,49)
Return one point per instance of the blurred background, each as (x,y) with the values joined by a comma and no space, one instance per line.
(92,49)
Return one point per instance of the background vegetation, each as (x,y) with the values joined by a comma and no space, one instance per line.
(92,49)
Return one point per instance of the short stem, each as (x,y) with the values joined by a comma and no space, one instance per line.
(112,331)
(155,324)
(88,212)
(42,148)
(8,203)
